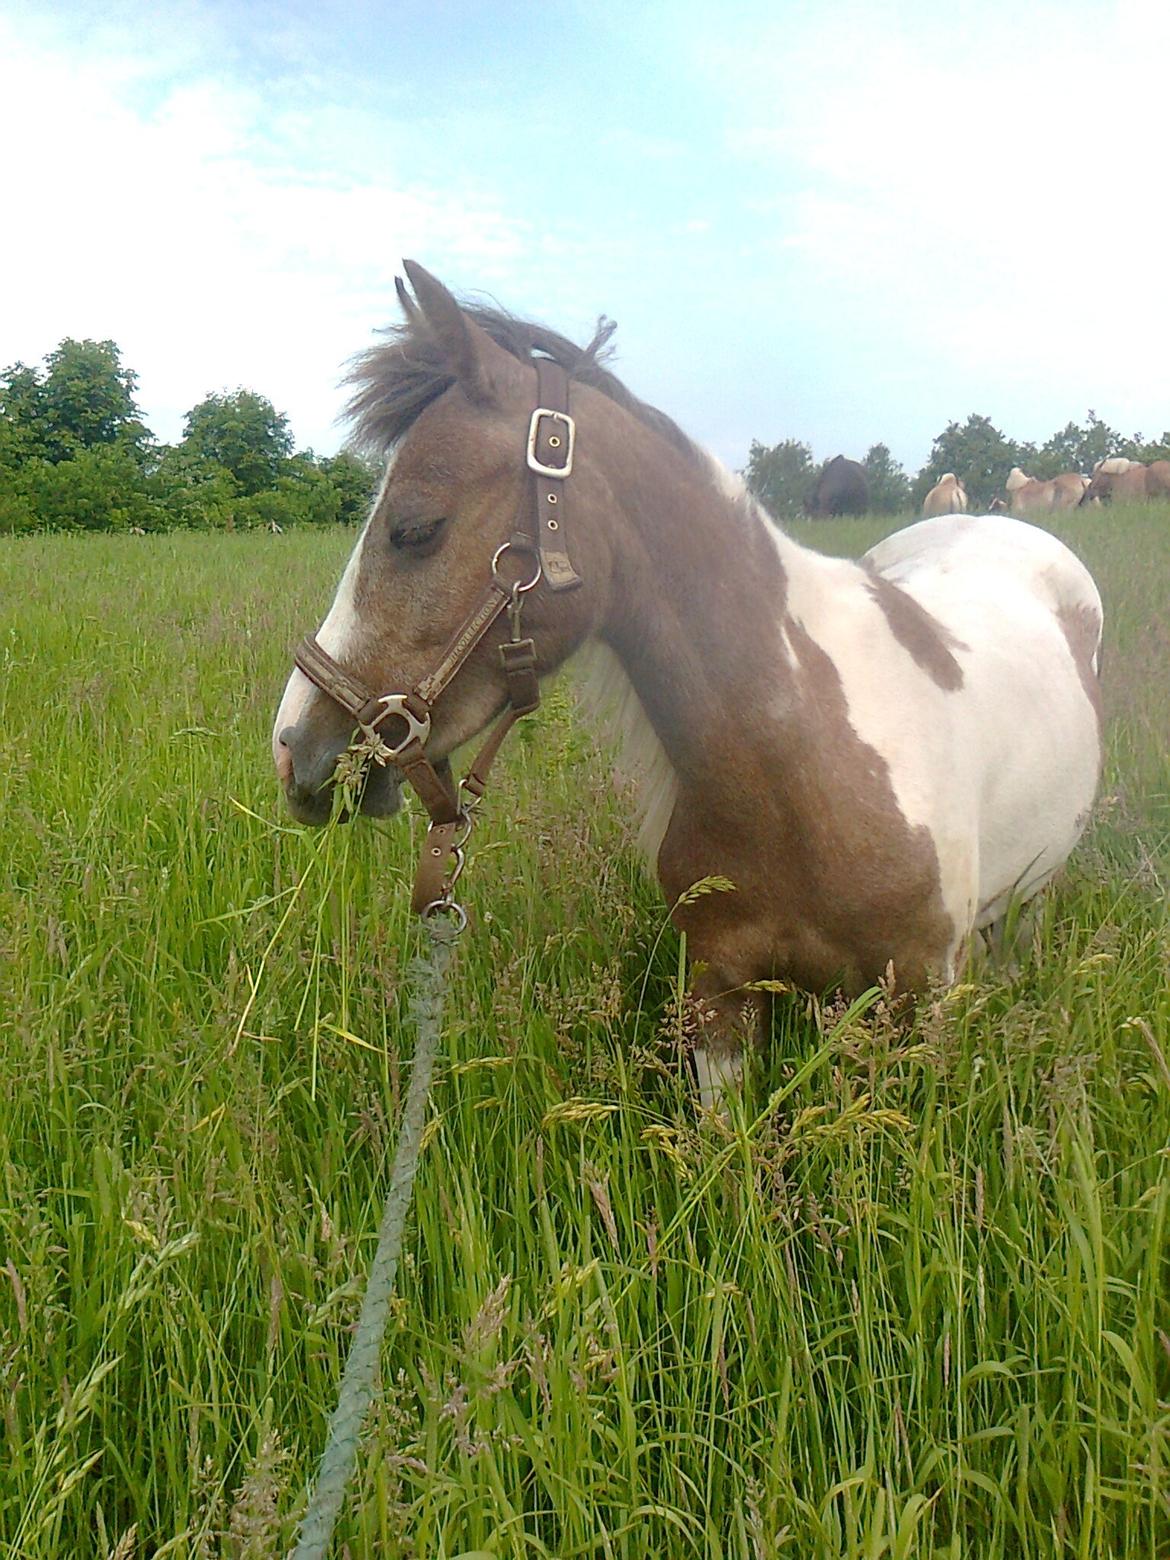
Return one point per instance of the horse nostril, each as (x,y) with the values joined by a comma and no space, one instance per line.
(305,759)
(283,758)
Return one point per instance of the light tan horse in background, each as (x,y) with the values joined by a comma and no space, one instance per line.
(1038,496)
(948,496)
(1119,480)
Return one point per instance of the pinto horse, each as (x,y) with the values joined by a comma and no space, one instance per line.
(881,756)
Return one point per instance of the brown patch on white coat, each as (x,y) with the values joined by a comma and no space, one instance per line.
(931,645)
(1082,627)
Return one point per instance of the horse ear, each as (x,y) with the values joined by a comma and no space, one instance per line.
(481,367)
(409,307)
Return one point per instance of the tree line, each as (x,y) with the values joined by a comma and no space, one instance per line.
(976,451)
(75,454)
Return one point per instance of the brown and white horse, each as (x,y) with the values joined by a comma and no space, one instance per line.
(880,755)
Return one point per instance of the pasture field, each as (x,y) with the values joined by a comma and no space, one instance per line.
(914,1301)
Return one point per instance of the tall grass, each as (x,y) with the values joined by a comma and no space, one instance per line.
(911,1301)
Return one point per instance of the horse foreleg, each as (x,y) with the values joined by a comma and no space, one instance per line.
(718,1073)
(727,1022)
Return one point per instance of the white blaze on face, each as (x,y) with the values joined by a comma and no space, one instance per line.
(336,636)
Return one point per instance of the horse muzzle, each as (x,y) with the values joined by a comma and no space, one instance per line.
(306,766)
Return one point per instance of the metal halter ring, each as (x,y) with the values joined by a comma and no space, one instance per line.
(416,729)
(520,587)
(447,907)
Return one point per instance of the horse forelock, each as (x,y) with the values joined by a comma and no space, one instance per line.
(395,381)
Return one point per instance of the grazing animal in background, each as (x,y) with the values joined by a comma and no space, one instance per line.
(842,488)
(881,756)
(948,496)
(1123,481)
(1040,496)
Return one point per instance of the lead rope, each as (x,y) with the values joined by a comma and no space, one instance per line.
(428,972)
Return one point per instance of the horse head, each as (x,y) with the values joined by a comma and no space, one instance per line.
(452,411)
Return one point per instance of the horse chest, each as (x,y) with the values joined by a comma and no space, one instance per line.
(818,900)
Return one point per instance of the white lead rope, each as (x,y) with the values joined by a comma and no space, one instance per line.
(428,973)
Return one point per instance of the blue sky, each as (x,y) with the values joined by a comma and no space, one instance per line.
(837,222)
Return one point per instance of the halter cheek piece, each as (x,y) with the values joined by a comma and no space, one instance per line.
(402,721)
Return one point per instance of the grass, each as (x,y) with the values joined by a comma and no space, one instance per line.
(913,1301)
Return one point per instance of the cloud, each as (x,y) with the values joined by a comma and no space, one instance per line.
(180,218)
(976,187)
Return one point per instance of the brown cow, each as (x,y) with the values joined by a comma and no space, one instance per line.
(1128,481)
(1035,496)
(948,496)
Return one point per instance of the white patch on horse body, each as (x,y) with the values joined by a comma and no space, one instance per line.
(1002,770)
(1009,762)
(613,709)
(893,705)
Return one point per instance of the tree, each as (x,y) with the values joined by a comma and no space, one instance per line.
(83,399)
(89,400)
(99,489)
(301,495)
(192,491)
(244,433)
(356,481)
(780,475)
(978,454)
(23,429)
(1138,447)
(1078,449)
(889,486)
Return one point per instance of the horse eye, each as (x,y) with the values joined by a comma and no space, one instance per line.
(418,536)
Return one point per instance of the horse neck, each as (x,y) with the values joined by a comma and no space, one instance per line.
(699,583)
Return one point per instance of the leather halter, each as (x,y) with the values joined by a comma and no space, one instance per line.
(541,536)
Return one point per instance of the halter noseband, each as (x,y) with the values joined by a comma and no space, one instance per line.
(540,534)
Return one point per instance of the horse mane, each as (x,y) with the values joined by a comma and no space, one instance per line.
(398,379)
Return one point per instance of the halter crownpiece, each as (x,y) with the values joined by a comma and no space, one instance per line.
(552,435)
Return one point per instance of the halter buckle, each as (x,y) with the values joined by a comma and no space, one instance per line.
(537,465)
(416,729)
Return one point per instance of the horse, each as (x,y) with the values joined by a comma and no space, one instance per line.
(1128,481)
(948,496)
(1040,496)
(881,756)
(841,488)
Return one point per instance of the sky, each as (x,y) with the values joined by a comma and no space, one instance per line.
(838,222)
